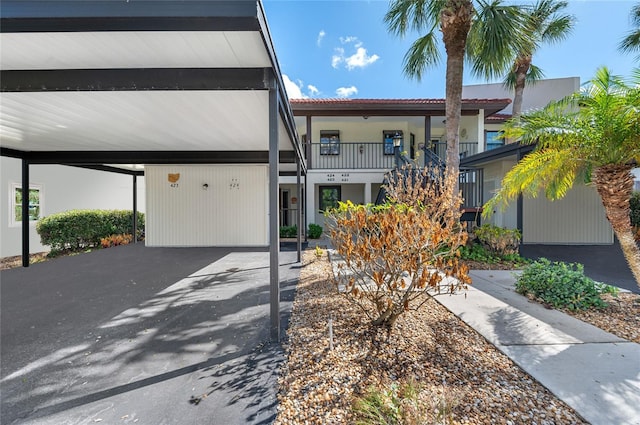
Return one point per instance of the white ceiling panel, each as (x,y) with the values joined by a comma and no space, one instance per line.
(135,120)
(152,49)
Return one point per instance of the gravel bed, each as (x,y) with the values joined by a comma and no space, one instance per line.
(621,317)
(431,347)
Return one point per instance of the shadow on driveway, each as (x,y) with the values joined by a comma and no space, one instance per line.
(144,335)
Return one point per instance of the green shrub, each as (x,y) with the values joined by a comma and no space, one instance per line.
(288,231)
(315,231)
(78,229)
(499,240)
(479,253)
(562,285)
(634,203)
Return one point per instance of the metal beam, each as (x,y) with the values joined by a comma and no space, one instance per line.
(25,213)
(146,157)
(101,15)
(427,137)
(108,169)
(131,79)
(214,23)
(274,234)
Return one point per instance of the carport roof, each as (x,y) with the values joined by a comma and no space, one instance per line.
(140,81)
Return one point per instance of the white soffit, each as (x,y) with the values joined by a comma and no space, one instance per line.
(136,120)
(153,49)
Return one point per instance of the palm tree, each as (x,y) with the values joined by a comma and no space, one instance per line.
(489,35)
(547,25)
(593,134)
(631,43)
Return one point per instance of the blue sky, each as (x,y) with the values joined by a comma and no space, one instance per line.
(330,48)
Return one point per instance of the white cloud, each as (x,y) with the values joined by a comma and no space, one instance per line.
(337,58)
(313,90)
(321,35)
(349,39)
(294,90)
(360,59)
(346,91)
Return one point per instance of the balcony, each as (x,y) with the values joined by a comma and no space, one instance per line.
(369,155)
(366,155)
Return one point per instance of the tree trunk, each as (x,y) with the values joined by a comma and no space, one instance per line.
(615,184)
(386,319)
(455,24)
(521,67)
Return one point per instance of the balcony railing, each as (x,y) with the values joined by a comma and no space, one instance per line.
(466,149)
(367,155)
(370,155)
(471,187)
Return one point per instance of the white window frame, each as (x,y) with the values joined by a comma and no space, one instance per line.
(12,203)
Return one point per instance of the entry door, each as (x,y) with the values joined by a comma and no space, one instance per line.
(284,207)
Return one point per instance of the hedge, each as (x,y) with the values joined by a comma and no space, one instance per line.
(77,229)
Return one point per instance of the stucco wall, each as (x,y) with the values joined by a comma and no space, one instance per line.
(535,95)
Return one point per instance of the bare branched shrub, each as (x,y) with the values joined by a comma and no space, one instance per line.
(399,254)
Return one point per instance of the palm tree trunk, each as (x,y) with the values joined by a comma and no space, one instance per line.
(455,21)
(615,184)
(521,67)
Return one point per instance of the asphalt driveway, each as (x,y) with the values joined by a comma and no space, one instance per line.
(142,335)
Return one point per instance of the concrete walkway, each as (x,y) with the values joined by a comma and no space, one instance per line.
(595,372)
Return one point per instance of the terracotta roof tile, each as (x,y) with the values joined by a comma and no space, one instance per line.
(499,117)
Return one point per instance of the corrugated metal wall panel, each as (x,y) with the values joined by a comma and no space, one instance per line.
(231,211)
(578,218)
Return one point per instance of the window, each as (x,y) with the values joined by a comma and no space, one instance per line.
(330,142)
(492,139)
(387,137)
(329,197)
(35,203)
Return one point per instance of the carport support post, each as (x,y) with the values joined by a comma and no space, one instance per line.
(274,234)
(25,213)
(299,210)
(306,191)
(135,209)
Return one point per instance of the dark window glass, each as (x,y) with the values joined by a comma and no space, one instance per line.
(492,139)
(387,137)
(329,143)
(329,197)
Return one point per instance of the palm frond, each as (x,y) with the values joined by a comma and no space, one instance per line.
(413,15)
(631,42)
(552,125)
(497,34)
(558,29)
(534,75)
(552,169)
(422,54)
